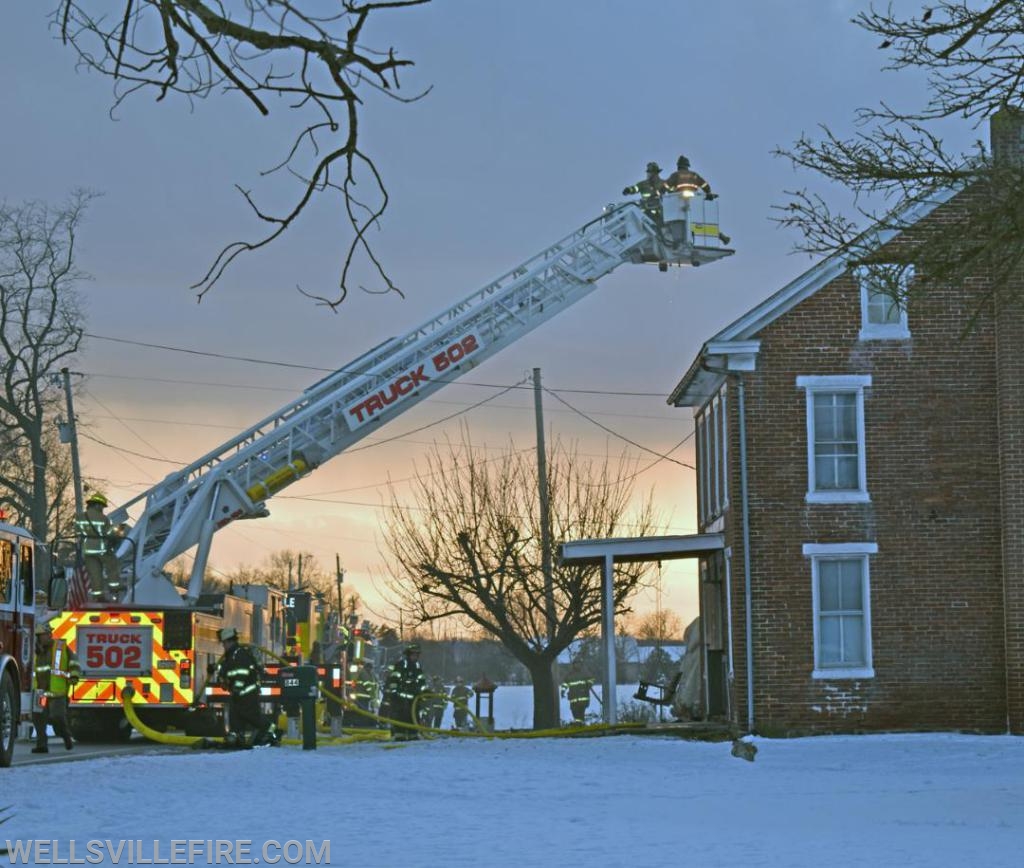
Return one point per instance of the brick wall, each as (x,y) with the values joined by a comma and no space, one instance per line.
(1008,151)
(937,596)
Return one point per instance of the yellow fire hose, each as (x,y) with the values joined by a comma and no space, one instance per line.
(127,701)
(356,735)
(481,731)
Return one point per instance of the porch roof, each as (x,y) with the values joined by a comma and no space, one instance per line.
(641,548)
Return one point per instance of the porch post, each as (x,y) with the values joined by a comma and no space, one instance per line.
(608,635)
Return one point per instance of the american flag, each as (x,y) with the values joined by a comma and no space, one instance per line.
(78,588)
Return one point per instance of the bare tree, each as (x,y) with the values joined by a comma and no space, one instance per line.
(16,475)
(305,56)
(661,625)
(286,569)
(40,328)
(974,57)
(467,545)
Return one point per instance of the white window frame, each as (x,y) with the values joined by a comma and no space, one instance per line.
(870,331)
(712,456)
(722,433)
(845,551)
(856,383)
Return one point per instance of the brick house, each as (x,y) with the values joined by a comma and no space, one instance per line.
(878,454)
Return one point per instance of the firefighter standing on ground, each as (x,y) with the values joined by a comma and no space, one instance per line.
(367,688)
(437,703)
(404,683)
(460,696)
(332,659)
(240,673)
(98,542)
(577,689)
(55,671)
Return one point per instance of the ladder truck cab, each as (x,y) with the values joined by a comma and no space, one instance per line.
(20,559)
(154,625)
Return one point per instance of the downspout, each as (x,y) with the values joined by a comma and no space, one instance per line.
(745,511)
(745,508)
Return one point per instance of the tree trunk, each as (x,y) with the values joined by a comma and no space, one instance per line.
(545,704)
(40,499)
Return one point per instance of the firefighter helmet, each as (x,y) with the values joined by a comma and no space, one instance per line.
(412,649)
(653,167)
(682,163)
(97,497)
(225,633)
(42,628)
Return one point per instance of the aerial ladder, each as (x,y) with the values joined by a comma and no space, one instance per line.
(235,480)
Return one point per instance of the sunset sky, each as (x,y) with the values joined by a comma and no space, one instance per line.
(541,112)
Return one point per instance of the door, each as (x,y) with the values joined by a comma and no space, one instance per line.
(712,570)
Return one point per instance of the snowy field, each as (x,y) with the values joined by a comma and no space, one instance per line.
(513,706)
(914,801)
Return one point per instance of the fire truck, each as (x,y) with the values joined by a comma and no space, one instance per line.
(157,637)
(19,556)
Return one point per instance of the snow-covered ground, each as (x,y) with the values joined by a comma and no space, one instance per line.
(873,801)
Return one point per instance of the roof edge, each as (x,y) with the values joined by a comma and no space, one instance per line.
(697,383)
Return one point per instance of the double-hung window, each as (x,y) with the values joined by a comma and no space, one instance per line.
(883,300)
(841,592)
(836,466)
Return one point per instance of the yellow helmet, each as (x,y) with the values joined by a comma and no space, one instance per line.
(96,497)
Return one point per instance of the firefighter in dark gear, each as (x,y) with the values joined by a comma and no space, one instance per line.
(55,672)
(240,673)
(405,682)
(99,542)
(577,689)
(460,696)
(688,183)
(437,702)
(651,189)
(332,693)
(684,180)
(367,688)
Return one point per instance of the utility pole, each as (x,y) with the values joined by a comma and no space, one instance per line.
(545,508)
(339,575)
(69,434)
(545,533)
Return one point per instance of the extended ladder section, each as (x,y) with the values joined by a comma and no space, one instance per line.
(234,480)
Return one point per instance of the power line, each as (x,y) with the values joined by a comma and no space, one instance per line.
(318,369)
(207,353)
(616,433)
(376,443)
(130,452)
(451,416)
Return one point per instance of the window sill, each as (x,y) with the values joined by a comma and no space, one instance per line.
(838,497)
(884,333)
(839,674)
